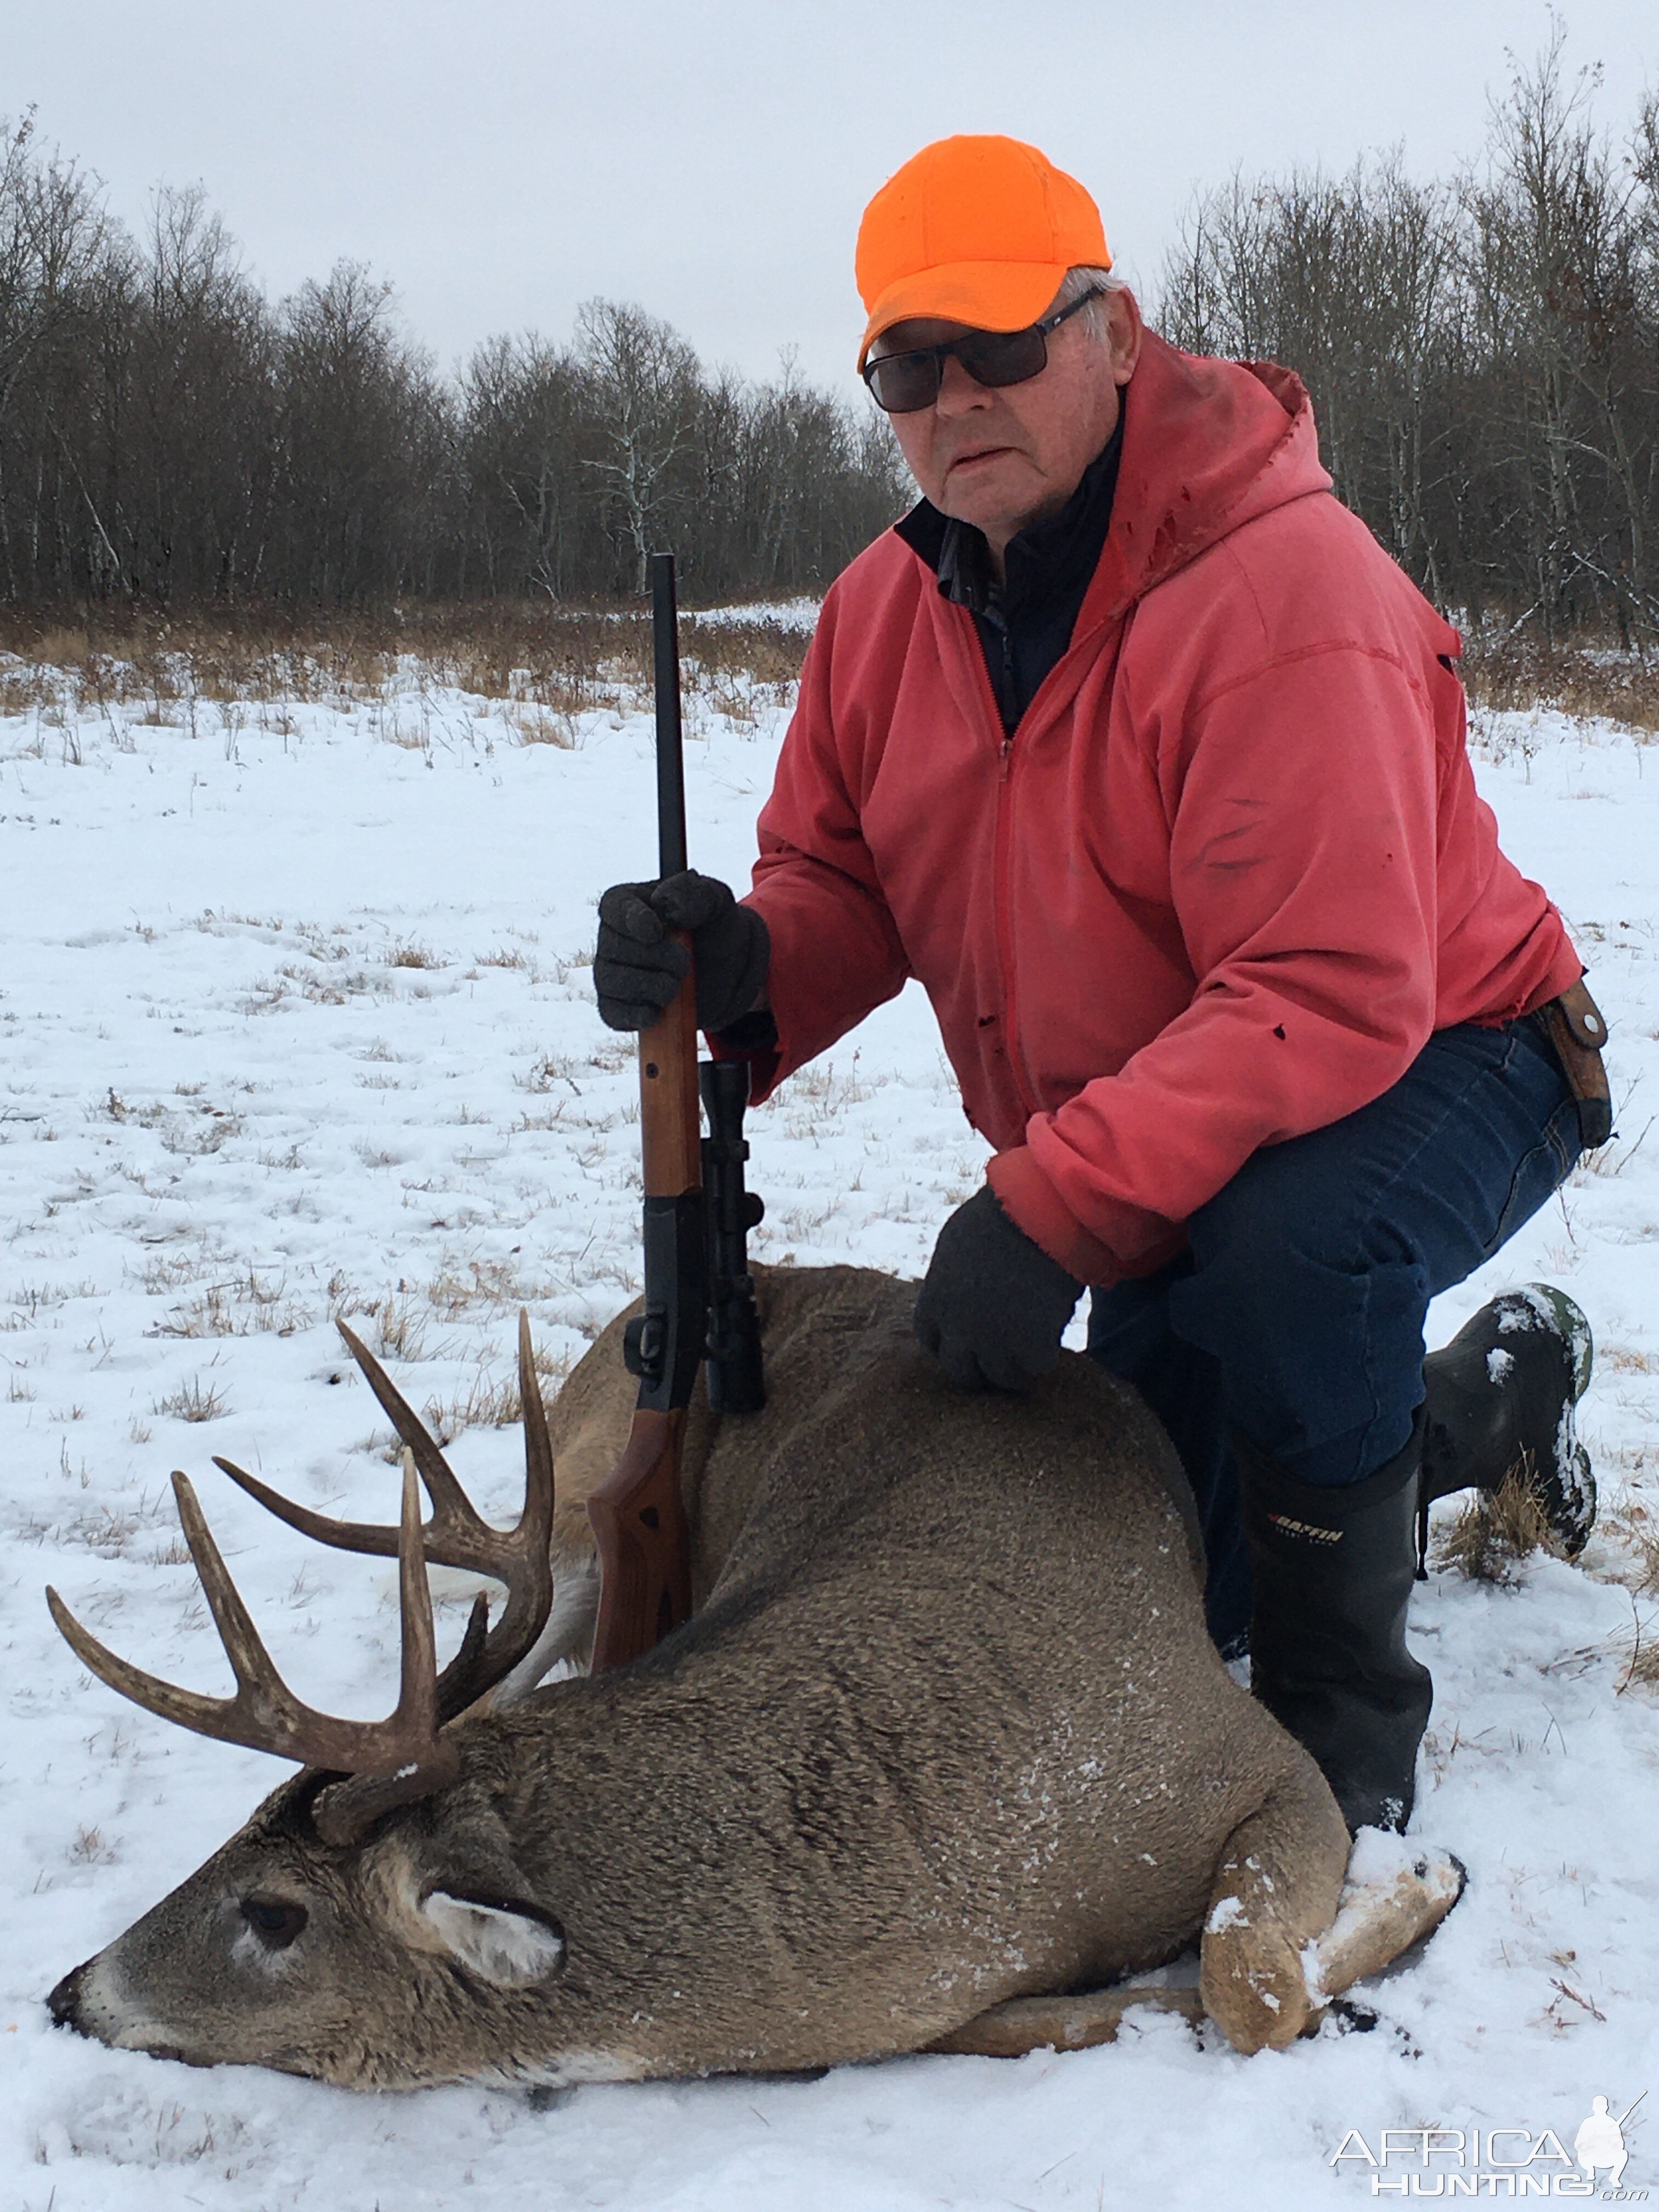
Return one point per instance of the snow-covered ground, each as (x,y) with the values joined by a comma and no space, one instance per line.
(788,614)
(295,1023)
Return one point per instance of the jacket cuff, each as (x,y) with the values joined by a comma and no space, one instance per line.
(1031,1202)
(753,1037)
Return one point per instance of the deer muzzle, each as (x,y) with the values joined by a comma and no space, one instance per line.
(86,2001)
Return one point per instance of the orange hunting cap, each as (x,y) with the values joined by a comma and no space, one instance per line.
(976,230)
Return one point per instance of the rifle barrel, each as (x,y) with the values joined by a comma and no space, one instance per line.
(671,773)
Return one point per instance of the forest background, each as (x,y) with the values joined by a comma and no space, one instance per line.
(1482,350)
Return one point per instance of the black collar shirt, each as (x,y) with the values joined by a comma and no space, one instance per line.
(1025,621)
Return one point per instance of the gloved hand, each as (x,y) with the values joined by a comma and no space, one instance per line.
(993,1306)
(638,967)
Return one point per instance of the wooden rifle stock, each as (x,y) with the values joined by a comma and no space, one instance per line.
(636,1513)
(639,1525)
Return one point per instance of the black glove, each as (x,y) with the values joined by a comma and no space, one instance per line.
(994,1305)
(638,968)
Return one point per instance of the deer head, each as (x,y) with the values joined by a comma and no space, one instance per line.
(379,1868)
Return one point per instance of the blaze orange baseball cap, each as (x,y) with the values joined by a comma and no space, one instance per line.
(976,230)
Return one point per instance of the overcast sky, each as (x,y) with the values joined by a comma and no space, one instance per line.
(502,160)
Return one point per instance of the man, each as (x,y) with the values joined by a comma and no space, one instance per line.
(1133,746)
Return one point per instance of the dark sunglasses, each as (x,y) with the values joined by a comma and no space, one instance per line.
(901,383)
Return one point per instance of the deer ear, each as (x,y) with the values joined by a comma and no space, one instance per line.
(500,1944)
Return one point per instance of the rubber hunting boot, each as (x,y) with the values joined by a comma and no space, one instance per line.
(1500,1398)
(1333,1566)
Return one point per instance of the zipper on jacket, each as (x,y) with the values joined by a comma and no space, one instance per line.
(1001,871)
(1006,697)
(1024,1084)
(1005,926)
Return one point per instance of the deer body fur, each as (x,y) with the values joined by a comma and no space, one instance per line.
(945,1729)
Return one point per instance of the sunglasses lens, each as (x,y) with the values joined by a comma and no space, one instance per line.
(902,382)
(996,357)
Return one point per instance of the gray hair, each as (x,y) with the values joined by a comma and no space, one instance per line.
(1077,283)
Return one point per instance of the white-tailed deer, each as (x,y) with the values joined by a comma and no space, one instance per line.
(944,1735)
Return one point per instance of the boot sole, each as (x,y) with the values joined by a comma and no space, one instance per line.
(1574,1499)
(1563,1317)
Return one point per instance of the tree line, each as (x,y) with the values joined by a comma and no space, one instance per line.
(1482,351)
(170,436)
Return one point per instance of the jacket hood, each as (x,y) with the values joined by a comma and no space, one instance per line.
(1207,446)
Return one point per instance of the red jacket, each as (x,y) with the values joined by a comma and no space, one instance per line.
(1227,876)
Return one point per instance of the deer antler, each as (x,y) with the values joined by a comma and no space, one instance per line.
(390,1761)
(455,1536)
(403,1757)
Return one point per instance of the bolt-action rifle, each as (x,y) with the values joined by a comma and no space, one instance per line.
(699,1296)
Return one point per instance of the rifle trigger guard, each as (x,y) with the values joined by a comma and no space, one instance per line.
(643,1341)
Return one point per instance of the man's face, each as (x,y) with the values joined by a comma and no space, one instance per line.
(1002,457)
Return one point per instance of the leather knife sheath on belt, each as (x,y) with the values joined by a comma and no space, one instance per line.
(1577,1028)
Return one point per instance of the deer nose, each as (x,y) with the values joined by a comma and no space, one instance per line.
(65,2002)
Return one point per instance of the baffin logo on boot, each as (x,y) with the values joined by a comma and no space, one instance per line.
(1307,1528)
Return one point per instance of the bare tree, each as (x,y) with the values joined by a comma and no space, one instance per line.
(1482,355)
(523,407)
(169,435)
(52,231)
(647,397)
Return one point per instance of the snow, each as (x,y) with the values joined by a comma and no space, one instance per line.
(788,614)
(295,1022)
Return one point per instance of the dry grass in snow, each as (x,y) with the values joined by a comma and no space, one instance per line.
(296,1025)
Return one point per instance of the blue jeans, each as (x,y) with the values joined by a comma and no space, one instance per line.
(1297,1312)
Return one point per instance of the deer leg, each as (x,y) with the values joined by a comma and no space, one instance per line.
(1384,1910)
(1276,1891)
(1380,1915)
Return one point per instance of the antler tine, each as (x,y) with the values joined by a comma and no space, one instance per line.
(457,1536)
(521,1558)
(450,1502)
(418,1694)
(258,1685)
(416,1759)
(467,1675)
(254,1717)
(530,1584)
(538,1517)
(264,1714)
(189,1708)
(448,1498)
(344,1535)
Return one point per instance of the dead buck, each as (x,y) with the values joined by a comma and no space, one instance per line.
(945,1736)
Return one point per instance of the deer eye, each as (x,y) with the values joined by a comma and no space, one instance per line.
(274,1920)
